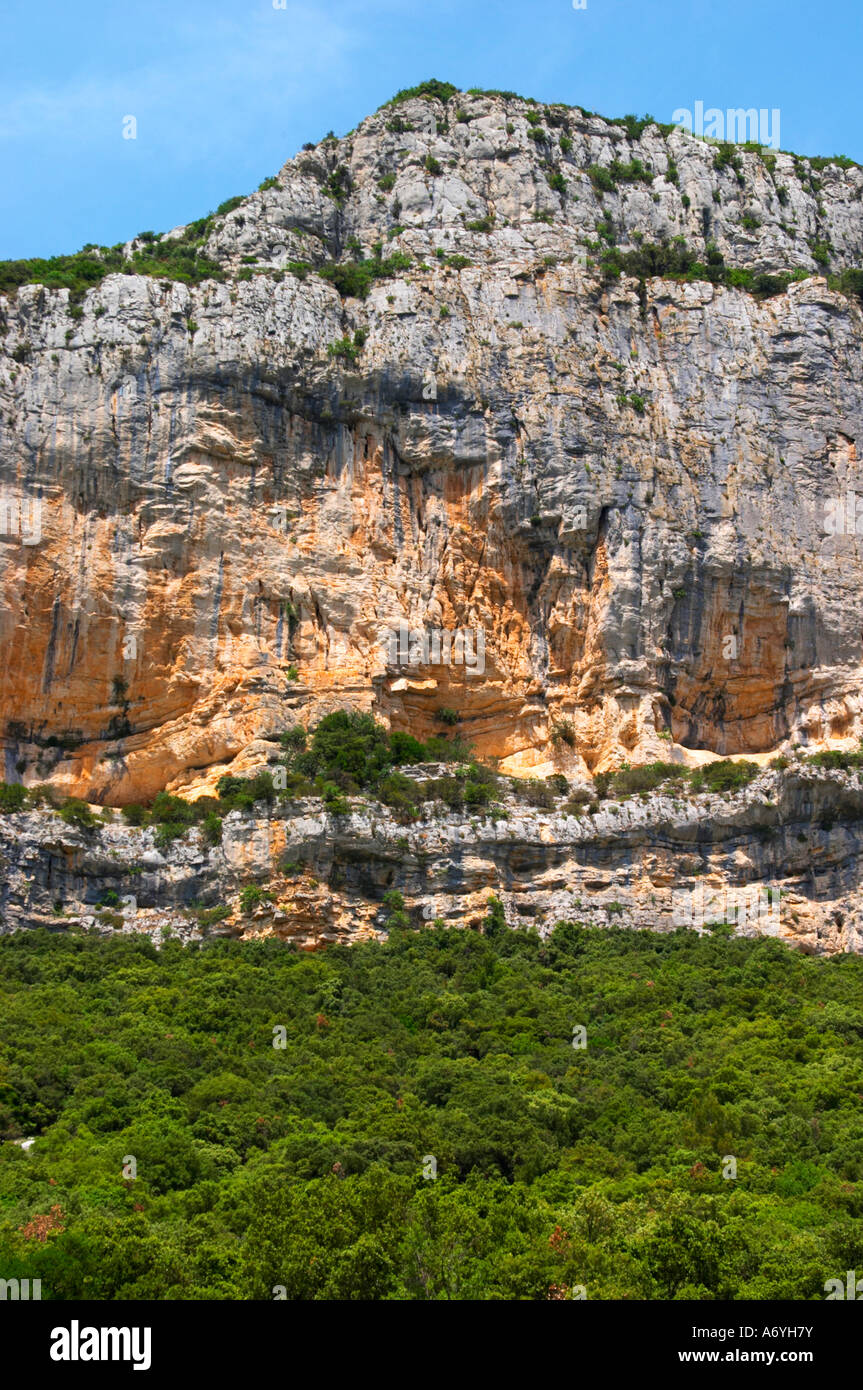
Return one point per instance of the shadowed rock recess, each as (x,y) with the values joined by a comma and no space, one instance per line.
(589,388)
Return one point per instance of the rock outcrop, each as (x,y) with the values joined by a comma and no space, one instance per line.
(782,858)
(419,394)
(626,486)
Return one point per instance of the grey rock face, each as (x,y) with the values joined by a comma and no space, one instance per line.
(643,491)
(782,857)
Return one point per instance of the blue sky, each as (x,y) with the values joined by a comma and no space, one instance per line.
(223,91)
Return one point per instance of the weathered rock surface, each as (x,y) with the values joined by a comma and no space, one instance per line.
(793,838)
(642,493)
(223,501)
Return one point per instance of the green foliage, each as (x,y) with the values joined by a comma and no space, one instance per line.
(838,759)
(241,793)
(495,923)
(354,279)
(727,156)
(453,259)
(606,178)
(675,260)
(646,778)
(211,827)
(223,209)
(350,744)
(338,183)
(433,90)
(251,896)
(404,748)
(401,794)
(850,282)
(601,178)
(445,715)
(303,1166)
(293,739)
(349,350)
(77,812)
(13,797)
(635,125)
(181,258)
(723,775)
(433,166)
(563,731)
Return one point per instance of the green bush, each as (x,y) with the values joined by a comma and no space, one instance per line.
(404,748)
(433,90)
(334,802)
(495,923)
(354,279)
(293,739)
(77,812)
(534,792)
(241,793)
(13,797)
(211,827)
(601,178)
(209,916)
(349,349)
(167,808)
(476,794)
(400,793)
(445,715)
(836,758)
(674,260)
(647,777)
(251,896)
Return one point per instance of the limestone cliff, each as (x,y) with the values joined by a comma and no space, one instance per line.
(782,858)
(624,483)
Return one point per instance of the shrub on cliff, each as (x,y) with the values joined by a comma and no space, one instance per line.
(354,279)
(241,793)
(348,742)
(432,90)
(401,794)
(12,797)
(725,775)
(838,759)
(77,812)
(646,777)
(251,896)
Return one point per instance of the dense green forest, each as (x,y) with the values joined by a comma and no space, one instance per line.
(431,1128)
